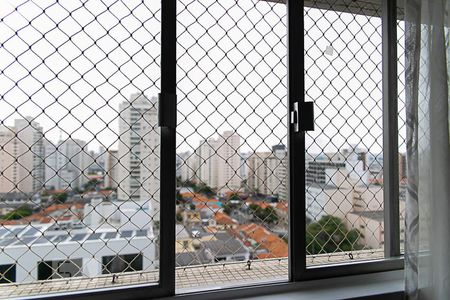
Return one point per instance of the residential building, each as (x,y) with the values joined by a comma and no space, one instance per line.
(258,172)
(138,171)
(131,121)
(228,162)
(268,172)
(111,169)
(97,162)
(181,158)
(208,160)
(52,180)
(150,165)
(92,248)
(244,165)
(189,167)
(72,164)
(216,163)
(21,157)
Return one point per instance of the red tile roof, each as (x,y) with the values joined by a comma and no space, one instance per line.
(275,246)
(224,219)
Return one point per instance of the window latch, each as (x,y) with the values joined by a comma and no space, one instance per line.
(302,116)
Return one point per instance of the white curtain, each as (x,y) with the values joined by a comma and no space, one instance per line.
(427,248)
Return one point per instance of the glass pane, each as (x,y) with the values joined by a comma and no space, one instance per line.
(344,175)
(402,165)
(232,160)
(79,156)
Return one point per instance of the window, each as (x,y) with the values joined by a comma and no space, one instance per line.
(168,146)
(59,269)
(122,263)
(7,273)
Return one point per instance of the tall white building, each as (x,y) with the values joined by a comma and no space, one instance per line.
(216,162)
(229,161)
(51,165)
(258,172)
(72,164)
(138,153)
(188,166)
(150,157)
(267,172)
(278,182)
(208,170)
(21,157)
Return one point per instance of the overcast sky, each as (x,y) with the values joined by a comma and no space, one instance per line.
(71,71)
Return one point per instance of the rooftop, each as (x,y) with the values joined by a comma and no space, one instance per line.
(42,234)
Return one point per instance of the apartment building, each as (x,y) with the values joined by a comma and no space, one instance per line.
(21,157)
(267,172)
(228,164)
(208,160)
(111,169)
(215,162)
(106,241)
(138,152)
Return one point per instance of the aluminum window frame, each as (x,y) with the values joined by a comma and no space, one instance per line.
(298,270)
(393,260)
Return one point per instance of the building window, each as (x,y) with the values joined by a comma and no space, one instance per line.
(8,273)
(56,269)
(122,263)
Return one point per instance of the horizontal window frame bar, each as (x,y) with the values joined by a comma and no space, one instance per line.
(354,268)
(126,292)
(269,288)
(156,291)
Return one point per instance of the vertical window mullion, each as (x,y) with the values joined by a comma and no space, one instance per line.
(167,122)
(390,130)
(296,143)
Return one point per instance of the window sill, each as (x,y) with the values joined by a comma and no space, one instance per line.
(390,284)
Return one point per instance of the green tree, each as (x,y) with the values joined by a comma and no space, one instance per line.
(179,198)
(188,183)
(19,213)
(91,185)
(205,190)
(179,218)
(267,215)
(235,196)
(227,208)
(329,235)
(61,197)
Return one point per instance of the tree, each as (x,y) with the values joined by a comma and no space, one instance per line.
(61,197)
(267,215)
(188,183)
(91,185)
(179,218)
(205,189)
(235,196)
(19,213)
(179,198)
(329,235)
(227,209)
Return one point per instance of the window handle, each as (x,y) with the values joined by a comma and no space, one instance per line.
(303,118)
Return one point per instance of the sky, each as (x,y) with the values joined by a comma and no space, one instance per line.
(70,64)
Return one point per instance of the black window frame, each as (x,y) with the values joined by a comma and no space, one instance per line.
(298,270)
